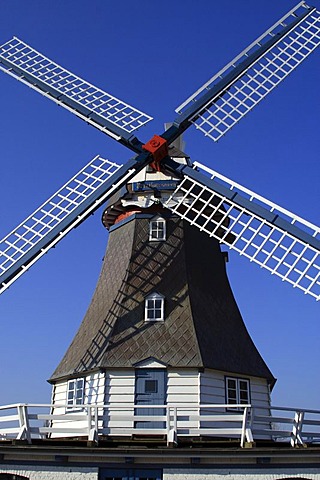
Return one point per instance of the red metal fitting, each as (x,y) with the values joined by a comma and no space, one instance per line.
(158,147)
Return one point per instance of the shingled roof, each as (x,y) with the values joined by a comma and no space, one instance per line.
(203,326)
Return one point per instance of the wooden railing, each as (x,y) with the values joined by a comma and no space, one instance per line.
(242,422)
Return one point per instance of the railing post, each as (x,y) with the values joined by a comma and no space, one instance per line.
(172,434)
(297,429)
(168,421)
(89,420)
(106,413)
(246,433)
(175,420)
(24,433)
(96,419)
(93,429)
(243,429)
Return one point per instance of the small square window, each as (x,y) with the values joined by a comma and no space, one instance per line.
(157,229)
(151,386)
(154,307)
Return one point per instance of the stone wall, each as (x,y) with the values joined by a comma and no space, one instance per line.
(51,473)
(228,473)
(268,473)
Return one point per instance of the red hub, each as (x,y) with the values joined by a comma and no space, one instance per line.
(158,147)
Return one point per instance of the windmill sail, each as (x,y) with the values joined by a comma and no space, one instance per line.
(277,240)
(282,243)
(66,209)
(236,89)
(98,108)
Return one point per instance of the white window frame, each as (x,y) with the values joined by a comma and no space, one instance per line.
(75,393)
(157,233)
(238,390)
(154,308)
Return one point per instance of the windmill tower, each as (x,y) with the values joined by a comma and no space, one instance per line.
(163,326)
(163,314)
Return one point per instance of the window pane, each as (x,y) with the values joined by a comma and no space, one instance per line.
(232,383)
(151,386)
(244,397)
(232,393)
(79,394)
(243,385)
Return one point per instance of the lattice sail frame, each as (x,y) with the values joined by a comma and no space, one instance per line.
(40,68)
(229,106)
(258,239)
(51,215)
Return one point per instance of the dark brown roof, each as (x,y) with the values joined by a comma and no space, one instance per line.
(203,326)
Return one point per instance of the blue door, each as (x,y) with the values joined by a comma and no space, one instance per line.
(150,389)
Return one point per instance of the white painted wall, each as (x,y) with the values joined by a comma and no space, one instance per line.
(94,394)
(186,387)
(266,473)
(212,387)
(52,473)
(212,391)
(119,392)
(183,389)
(91,473)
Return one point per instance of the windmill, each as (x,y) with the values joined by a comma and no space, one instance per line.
(124,140)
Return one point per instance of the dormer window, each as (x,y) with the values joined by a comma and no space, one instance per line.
(157,229)
(154,308)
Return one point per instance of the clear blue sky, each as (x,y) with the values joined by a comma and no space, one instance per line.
(152,54)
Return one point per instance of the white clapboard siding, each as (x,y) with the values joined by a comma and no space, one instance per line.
(183,386)
(183,389)
(261,401)
(93,394)
(186,390)
(212,391)
(95,388)
(260,395)
(212,387)
(119,392)
(59,396)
